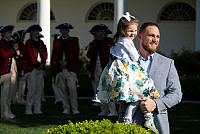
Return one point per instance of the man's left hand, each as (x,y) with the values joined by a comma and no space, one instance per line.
(147,105)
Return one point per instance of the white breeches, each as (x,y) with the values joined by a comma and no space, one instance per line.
(5,94)
(66,83)
(35,85)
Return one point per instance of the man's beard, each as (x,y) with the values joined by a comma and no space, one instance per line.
(148,49)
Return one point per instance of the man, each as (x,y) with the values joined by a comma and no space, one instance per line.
(55,89)
(99,53)
(8,71)
(22,67)
(165,77)
(36,57)
(64,67)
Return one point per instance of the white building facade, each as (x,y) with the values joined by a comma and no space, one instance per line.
(179,20)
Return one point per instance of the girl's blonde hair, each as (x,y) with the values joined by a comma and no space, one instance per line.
(122,26)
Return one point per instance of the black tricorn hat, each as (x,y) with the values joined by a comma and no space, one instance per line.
(108,31)
(97,28)
(64,26)
(6,28)
(33,27)
(18,35)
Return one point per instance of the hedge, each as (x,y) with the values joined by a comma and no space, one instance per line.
(190,87)
(97,127)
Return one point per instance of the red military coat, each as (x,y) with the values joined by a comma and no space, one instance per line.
(106,44)
(72,57)
(31,53)
(22,64)
(6,56)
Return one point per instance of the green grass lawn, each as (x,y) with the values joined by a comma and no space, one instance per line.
(184,118)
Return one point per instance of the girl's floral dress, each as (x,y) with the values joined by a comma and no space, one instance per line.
(125,80)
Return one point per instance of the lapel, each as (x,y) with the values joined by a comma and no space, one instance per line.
(155,63)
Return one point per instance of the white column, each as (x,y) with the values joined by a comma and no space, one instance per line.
(43,18)
(119,10)
(197,43)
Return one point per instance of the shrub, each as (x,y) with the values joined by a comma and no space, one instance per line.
(190,87)
(97,127)
(187,62)
(84,62)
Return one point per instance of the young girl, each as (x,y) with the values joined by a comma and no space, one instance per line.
(123,79)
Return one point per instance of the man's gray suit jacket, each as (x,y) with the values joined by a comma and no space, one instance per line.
(166,80)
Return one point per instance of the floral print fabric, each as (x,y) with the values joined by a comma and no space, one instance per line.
(125,80)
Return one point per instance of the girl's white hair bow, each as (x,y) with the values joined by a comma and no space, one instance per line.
(128,16)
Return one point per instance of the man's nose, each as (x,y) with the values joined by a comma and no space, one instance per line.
(154,40)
